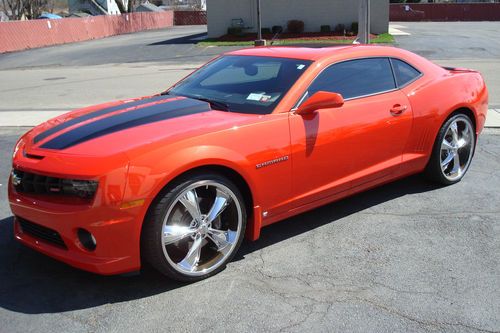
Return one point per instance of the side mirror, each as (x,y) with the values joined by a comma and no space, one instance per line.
(321,100)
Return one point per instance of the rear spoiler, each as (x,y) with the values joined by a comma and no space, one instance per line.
(459,70)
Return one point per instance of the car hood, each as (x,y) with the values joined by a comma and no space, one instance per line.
(120,127)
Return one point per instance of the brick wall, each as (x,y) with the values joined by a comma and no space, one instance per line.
(446,12)
(190,17)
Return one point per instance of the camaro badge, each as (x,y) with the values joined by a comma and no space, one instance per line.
(271,162)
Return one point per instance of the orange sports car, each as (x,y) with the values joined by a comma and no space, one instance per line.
(255,136)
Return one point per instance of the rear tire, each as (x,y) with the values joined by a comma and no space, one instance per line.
(453,150)
(195,227)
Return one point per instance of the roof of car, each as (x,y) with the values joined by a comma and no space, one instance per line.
(313,52)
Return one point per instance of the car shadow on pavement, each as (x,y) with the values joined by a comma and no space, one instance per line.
(191,39)
(330,213)
(33,283)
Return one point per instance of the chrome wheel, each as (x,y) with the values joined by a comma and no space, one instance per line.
(201,228)
(457,148)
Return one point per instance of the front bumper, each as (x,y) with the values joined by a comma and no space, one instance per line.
(115,229)
(116,232)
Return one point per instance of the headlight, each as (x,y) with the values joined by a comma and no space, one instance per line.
(17,146)
(82,188)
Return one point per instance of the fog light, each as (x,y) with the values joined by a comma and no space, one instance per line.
(87,239)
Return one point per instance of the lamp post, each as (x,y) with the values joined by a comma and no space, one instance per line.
(259,41)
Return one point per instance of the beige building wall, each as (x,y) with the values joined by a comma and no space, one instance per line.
(314,13)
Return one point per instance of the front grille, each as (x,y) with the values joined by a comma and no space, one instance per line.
(40,232)
(39,184)
(27,182)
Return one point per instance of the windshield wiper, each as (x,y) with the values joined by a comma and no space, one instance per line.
(215,104)
(218,105)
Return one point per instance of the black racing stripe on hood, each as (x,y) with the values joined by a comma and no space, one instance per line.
(122,121)
(94,114)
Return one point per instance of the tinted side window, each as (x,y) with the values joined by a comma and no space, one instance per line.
(356,78)
(404,72)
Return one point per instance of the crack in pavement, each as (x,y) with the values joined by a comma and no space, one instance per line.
(437,324)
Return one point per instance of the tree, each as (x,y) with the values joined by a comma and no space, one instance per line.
(30,9)
(35,8)
(127,6)
(14,9)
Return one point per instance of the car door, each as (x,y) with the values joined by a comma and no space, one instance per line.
(360,143)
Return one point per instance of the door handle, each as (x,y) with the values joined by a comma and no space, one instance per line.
(398,109)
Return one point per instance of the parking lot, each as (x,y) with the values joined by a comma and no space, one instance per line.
(409,256)
(460,44)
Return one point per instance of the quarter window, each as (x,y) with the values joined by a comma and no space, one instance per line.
(404,72)
(355,78)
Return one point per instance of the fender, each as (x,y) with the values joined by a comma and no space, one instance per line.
(145,182)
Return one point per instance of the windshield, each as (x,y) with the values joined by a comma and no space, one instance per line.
(245,84)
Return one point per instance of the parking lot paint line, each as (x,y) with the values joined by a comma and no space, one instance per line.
(493,118)
(395,30)
(63,109)
(26,118)
(30,118)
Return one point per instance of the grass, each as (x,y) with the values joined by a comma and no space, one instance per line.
(380,39)
(383,39)
(215,42)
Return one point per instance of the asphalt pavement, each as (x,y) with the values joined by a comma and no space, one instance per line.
(167,46)
(406,257)
(461,44)
(39,84)
(451,40)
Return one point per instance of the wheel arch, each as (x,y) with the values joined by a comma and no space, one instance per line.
(466,110)
(461,109)
(223,170)
(253,221)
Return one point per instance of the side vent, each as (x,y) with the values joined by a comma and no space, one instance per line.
(424,138)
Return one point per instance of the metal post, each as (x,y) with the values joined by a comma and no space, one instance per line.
(259,22)
(364,23)
(259,41)
(368,21)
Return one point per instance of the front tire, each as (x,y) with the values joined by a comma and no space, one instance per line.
(453,150)
(195,227)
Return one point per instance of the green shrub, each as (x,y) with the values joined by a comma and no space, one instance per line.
(325,28)
(265,31)
(295,26)
(277,29)
(340,28)
(355,27)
